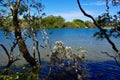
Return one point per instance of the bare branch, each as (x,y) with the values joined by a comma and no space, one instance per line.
(42,46)
(6,51)
(14,45)
(114,57)
(109,55)
(17,4)
(50,70)
(16,59)
(10,56)
(36,45)
(99,27)
(34,50)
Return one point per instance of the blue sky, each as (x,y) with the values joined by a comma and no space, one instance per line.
(69,10)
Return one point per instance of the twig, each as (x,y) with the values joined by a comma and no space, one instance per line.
(114,57)
(14,45)
(6,51)
(50,70)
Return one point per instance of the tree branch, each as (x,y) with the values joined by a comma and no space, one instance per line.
(98,26)
(14,45)
(5,50)
(17,4)
(115,58)
(50,70)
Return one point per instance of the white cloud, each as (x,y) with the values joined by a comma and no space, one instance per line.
(98,3)
(69,16)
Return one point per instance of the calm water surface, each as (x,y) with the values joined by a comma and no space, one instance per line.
(100,66)
(83,38)
(71,37)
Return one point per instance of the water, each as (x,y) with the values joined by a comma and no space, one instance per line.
(100,66)
(83,38)
(107,70)
(71,37)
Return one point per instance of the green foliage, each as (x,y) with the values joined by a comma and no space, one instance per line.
(89,24)
(6,24)
(20,76)
(23,8)
(70,25)
(59,22)
(79,23)
(27,74)
(47,22)
(23,11)
(53,22)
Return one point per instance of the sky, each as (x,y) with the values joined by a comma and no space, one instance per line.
(69,9)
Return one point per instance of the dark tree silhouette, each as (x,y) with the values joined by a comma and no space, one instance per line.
(103,31)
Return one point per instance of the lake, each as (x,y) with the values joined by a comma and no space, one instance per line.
(100,66)
(73,37)
(83,38)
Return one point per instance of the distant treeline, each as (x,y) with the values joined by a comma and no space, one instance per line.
(59,22)
(47,22)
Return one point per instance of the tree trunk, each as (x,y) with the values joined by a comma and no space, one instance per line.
(21,43)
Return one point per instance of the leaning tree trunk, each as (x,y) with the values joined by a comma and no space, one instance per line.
(21,43)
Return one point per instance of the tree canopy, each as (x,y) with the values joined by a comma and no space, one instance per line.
(16,14)
(53,21)
(47,22)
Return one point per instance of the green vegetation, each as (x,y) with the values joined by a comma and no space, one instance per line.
(53,22)
(10,20)
(26,74)
(63,59)
(59,22)
(6,23)
(89,24)
(47,22)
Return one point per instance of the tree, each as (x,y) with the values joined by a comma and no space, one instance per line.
(13,9)
(89,24)
(70,25)
(53,21)
(79,23)
(103,32)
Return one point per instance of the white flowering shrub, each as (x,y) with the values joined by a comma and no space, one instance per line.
(63,56)
(68,52)
(62,53)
